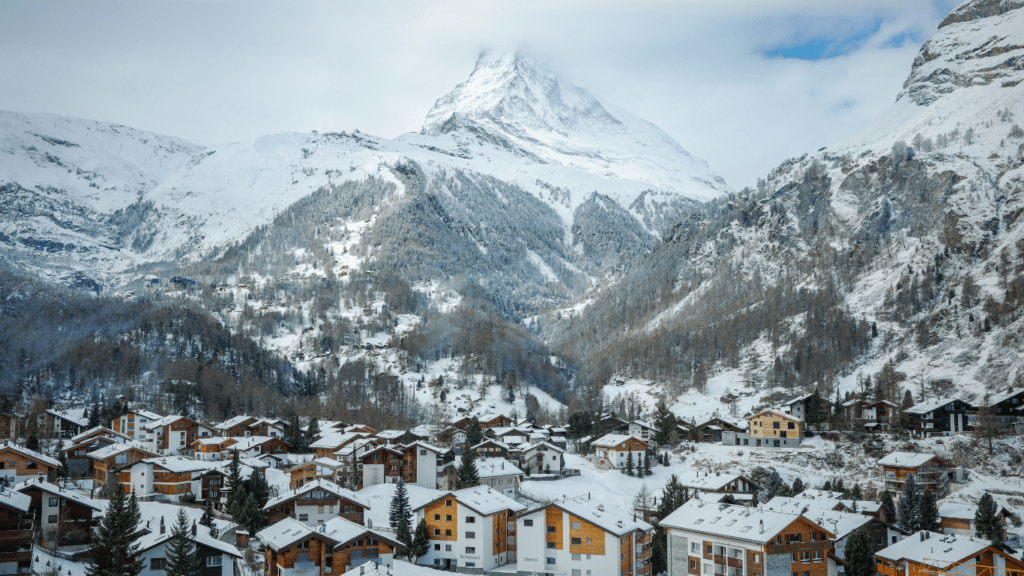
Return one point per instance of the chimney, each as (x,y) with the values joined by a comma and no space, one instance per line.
(162,529)
(761,527)
(194,528)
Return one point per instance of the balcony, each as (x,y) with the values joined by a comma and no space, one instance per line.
(19,556)
(15,535)
(644,554)
(304,566)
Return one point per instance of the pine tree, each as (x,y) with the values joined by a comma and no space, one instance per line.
(420,542)
(887,501)
(32,443)
(399,506)
(798,486)
(181,550)
(908,506)
(312,431)
(402,534)
(987,523)
(860,553)
(62,457)
(114,550)
(928,512)
(94,416)
(467,475)
(664,424)
(629,463)
(259,488)
(474,434)
(856,493)
(353,474)
(647,464)
(252,515)
(236,489)
(207,519)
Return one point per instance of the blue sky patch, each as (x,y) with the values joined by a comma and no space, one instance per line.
(822,47)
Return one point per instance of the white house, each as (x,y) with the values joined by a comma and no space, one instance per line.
(216,558)
(470,530)
(169,478)
(615,450)
(542,458)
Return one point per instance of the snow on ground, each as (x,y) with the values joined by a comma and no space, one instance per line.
(380,497)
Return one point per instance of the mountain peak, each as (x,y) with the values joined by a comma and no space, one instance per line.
(511,102)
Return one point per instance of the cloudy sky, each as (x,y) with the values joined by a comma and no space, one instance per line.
(743,84)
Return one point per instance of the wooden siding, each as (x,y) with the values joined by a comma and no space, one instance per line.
(553,517)
(585,531)
(442,524)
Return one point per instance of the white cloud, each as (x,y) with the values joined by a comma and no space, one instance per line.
(218,71)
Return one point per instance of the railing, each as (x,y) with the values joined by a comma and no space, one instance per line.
(15,535)
(643,554)
(20,556)
(304,566)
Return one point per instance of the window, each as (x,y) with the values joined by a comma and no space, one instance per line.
(157,564)
(574,525)
(576,572)
(302,557)
(437,561)
(550,561)
(470,534)
(817,556)
(448,503)
(755,559)
(447,547)
(447,532)
(694,547)
(53,501)
(575,557)
(215,561)
(551,545)
(470,550)
(437,517)
(791,426)
(52,519)
(551,529)
(350,509)
(470,519)
(31,465)
(470,564)
(775,425)
(576,541)
(304,545)
(527,522)
(437,547)
(303,517)
(437,532)
(447,517)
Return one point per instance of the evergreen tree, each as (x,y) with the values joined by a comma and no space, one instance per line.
(467,476)
(252,515)
(114,550)
(860,553)
(353,474)
(987,523)
(856,493)
(207,519)
(887,501)
(32,443)
(312,431)
(402,534)
(236,489)
(798,487)
(399,506)
(259,488)
(420,542)
(62,457)
(928,512)
(629,463)
(181,550)
(664,424)
(474,434)
(827,486)
(907,510)
(407,438)
(94,416)
(647,464)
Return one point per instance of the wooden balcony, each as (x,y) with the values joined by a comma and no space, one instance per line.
(15,535)
(19,556)
(798,547)
(644,554)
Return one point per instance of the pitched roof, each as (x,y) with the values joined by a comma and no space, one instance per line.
(115,449)
(605,517)
(741,522)
(934,549)
(495,467)
(232,422)
(146,413)
(775,412)
(15,500)
(906,459)
(539,444)
(929,405)
(96,430)
(335,439)
(318,484)
(398,568)
(179,465)
(344,531)
(839,523)
(31,454)
(426,445)
(484,500)
(610,440)
(76,416)
(798,399)
(202,538)
(284,533)
(694,479)
(72,494)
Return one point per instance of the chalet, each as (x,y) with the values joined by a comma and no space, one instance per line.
(705,538)
(336,546)
(167,478)
(317,502)
(345,456)
(841,518)
(800,406)
(768,429)
(16,532)
(958,518)
(422,464)
(79,463)
(361,428)
(943,417)
(928,470)
(542,458)
(711,430)
(509,436)
(742,489)
(470,530)
(580,534)
(173,435)
(130,424)
(495,473)
(1006,407)
(18,464)
(8,426)
(422,433)
(329,443)
(325,468)
(213,449)
(61,515)
(255,446)
(242,426)
(381,465)
(641,430)
(611,424)
(933,553)
(491,448)
(216,557)
(879,416)
(66,423)
(108,461)
(853,410)
(615,450)
(213,482)
(390,436)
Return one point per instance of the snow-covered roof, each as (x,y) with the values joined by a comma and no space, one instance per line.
(928,405)
(997,398)
(595,512)
(798,399)
(495,467)
(775,412)
(482,499)
(31,454)
(15,500)
(426,446)
(855,401)
(327,462)
(819,512)
(215,440)
(697,480)
(319,484)
(335,439)
(906,459)
(232,422)
(73,494)
(489,417)
(542,443)
(115,449)
(741,522)
(380,496)
(934,549)
(390,434)
(284,533)
(75,416)
(97,430)
(202,537)
(354,446)
(343,531)
(47,562)
(610,440)
(398,568)
(250,442)
(498,443)
(165,421)
(146,414)
(179,465)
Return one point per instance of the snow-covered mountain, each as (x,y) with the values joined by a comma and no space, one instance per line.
(69,188)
